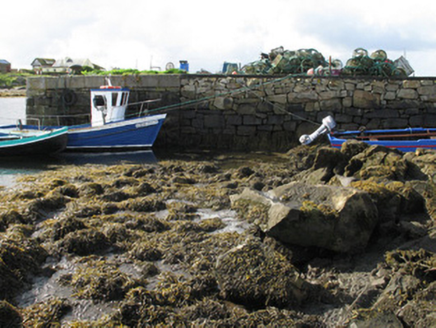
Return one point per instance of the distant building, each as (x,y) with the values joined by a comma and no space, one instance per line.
(39,64)
(69,65)
(61,66)
(5,66)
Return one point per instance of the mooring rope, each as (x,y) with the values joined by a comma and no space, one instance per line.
(189,103)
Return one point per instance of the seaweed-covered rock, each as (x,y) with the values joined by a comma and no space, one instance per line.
(378,162)
(10,217)
(335,218)
(144,251)
(99,281)
(90,189)
(144,205)
(18,257)
(46,314)
(62,227)
(380,320)
(41,207)
(255,275)
(84,242)
(9,316)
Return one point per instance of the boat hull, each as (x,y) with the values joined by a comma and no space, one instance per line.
(138,133)
(337,139)
(47,143)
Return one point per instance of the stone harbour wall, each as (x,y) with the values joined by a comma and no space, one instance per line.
(248,112)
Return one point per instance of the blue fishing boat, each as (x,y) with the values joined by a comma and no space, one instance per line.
(19,140)
(109,129)
(406,140)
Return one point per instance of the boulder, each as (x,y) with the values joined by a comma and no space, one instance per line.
(255,275)
(335,218)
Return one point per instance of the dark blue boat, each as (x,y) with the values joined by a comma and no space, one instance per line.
(406,140)
(109,130)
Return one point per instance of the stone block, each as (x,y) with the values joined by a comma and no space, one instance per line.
(290,126)
(403,104)
(364,99)
(343,118)
(189,114)
(251,120)
(391,86)
(390,95)
(394,123)
(378,87)
(246,109)
(189,91)
(265,127)
(280,99)
(197,123)
(427,82)
(427,90)
(265,107)
(275,119)
(214,121)
(229,130)
(331,104)
(303,96)
(244,130)
(407,94)
(413,84)
(336,85)
(329,95)
(223,102)
(188,130)
(383,113)
(350,86)
(416,120)
(233,120)
(312,107)
(347,102)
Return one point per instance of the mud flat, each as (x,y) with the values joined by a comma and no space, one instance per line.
(197,242)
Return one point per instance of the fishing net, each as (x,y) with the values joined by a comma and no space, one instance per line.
(281,61)
(376,64)
(312,62)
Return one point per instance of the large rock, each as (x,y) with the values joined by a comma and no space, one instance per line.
(255,275)
(335,218)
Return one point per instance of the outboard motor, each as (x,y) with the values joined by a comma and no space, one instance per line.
(328,124)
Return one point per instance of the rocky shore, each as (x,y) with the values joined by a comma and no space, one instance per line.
(15,92)
(316,237)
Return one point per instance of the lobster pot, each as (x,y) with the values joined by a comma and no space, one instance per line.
(404,64)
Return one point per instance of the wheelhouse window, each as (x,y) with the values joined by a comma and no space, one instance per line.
(99,101)
(114,98)
(124,98)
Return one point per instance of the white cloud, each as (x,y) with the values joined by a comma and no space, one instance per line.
(140,33)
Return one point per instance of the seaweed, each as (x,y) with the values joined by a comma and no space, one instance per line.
(100,280)
(46,314)
(84,242)
(9,316)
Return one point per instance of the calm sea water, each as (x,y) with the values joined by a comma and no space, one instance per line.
(12,109)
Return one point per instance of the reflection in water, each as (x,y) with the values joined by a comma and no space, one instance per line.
(11,167)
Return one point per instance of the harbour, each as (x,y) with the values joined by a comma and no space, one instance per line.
(13,109)
(219,238)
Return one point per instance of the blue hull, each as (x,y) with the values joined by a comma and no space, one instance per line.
(410,138)
(138,133)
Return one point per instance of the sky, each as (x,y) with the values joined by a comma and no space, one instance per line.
(145,34)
